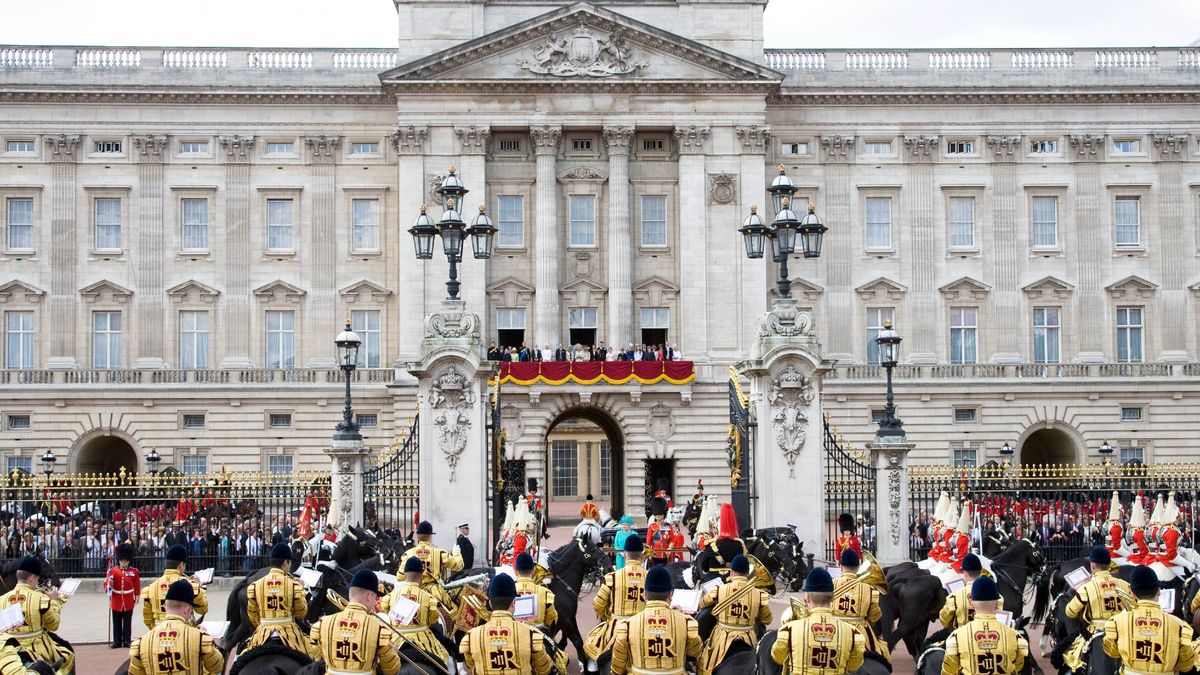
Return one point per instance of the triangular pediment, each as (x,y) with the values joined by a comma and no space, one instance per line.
(192,290)
(1131,286)
(20,291)
(965,288)
(363,290)
(105,290)
(279,290)
(881,288)
(801,289)
(578,43)
(510,292)
(654,291)
(583,292)
(1048,287)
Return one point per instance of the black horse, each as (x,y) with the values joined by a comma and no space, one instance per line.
(270,658)
(8,574)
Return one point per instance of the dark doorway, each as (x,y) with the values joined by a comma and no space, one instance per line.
(584,455)
(510,337)
(107,454)
(1048,446)
(652,337)
(583,336)
(658,469)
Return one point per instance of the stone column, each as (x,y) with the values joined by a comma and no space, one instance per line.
(891,500)
(472,167)
(1173,208)
(1090,247)
(546,244)
(64,250)
(693,250)
(409,142)
(620,237)
(148,315)
(1008,261)
(322,295)
(843,246)
(753,191)
(453,404)
(923,256)
(236,152)
(346,469)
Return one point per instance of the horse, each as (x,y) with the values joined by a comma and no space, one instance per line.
(782,552)
(270,658)
(8,574)
(1063,631)
(933,652)
(1013,568)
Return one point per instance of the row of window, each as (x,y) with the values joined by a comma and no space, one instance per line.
(281,224)
(962,147)
(191,465)
(1046,323)
(190,148)
(968,457)
(971,415)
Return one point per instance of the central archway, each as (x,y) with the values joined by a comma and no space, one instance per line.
(584,454)
(1049,445)
(105,453)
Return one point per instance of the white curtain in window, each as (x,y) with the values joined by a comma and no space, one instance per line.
(879,222)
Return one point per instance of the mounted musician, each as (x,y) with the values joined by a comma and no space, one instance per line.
(419,629)
(1145,638)
(984,646)
(621,595)
(1099,599)
(818,643)
(42,612)
(545,616)
(503,645)
(589,522)
(1138,548)
(740,610)
(275,602)
(658,640)
(174,645)
(957,610)
(440,564)
(856,600)
(935,532)
(713,560)
(355,640)
(1114,531)
(154,595)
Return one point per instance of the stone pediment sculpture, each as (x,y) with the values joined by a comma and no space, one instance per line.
(584,53)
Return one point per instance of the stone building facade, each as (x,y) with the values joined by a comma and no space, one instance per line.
(185,229)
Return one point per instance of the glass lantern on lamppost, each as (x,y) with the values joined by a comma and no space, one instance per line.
(48,462)
(1106,452)
(347,343)
(451,228)
(152,461)
(888,340)
(783,231)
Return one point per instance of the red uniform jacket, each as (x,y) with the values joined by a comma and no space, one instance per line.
(1140,551)
(961,546)
(663,537)
(1169,549)
(850,542)
(123,586)
(1116,536)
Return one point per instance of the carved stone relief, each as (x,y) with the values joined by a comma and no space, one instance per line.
(451,400)
(722,188)
(583,53)
(790,395)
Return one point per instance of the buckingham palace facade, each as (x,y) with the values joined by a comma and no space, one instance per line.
(185,229)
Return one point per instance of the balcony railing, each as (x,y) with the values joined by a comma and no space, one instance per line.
(1024,60)
(25,57)
(249,376)
(1018,371)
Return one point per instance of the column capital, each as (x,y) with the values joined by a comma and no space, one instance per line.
(691,139)
(150,148)
(473,139)
(1004,148)
(546,139)
(921,148)
(63,147)
(237,148)
(1170,146)
(837,148)
(323,148)
(1087,146)
(754,138)
(617,139)
(409,139)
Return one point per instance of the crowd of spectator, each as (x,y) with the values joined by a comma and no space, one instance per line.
(579,352)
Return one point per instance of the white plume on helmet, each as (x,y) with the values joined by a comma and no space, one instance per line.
(964,519)
(943,503)
(1171,512)
(1137,515)
(522,518)
(1157,514)
(509,515)
(1114,507)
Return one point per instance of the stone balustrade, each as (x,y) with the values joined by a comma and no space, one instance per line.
(1018,371)
(208,376)
(1133,58)
(20,57)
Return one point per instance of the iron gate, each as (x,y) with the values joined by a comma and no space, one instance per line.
(738,449)
(392,488)
(849,489)
(506,477)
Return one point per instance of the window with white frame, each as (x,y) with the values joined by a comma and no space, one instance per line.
(964,335)
(364,149)
(193,465)
(1043,146)
(281,464)
(1128,219)
(365,322)
(192,420)
(194,216)
(876,317)
(1047,331)
(1132,454)
(964,458)
(279,420)
(653,144)
(964,415)
(108,223)
(19,218)
(106,340)
(18,340)
(366,224)
(962,222)
(1129,334)
(510,326)
(193,339)
(1131,413)
(605,469)
(877,148)
(510,221)
(582,323)
(794,148)
(12,464)
(281,339)
(654,220)
(107,147)
(655,325)
(280,225)
(583,220)
(193,148)
(879,222)
(1045,222)
(21,145)
(281,149)
(564,457)
(17,422)
(1126,146)
(960,147)
(367,420)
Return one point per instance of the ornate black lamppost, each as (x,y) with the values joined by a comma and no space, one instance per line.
(347,343)
(783,231)
(453,231)
(889,351)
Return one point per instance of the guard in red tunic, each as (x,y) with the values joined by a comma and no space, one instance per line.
(1114,530)
(960,545)
(1152,530)
(661,535)
(123,585)
(589,511)
(951,517)
(662,492)
(537,511)
(847,539)
(1137,533)
(1169,535)
(935,532)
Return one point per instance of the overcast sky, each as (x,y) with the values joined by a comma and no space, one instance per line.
(789,23)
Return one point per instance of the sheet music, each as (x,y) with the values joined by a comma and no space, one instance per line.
(1166,599)
(308,576)
(215,629)
(403,610)
(834,572)
(1078,577)
(11,617)
(954,584)
(1005,617)
(686,600)
(711,584)
(68,587)
(506,570)
(389,579)
(205,576)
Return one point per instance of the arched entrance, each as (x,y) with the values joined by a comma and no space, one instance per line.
(584,455)
(1050,445)
(105,453)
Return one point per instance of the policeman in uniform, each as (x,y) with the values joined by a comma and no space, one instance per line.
(1145,638)
(856,601)
(466,550)
(820,643)
(546,616)
(620,596)
(355,640)
(504,646)
(658,639)
(174,645)
(275,602)
(1099,599)
(42,611)
(123,584)
(957,609)
(739,609)
(984,646)
(418,631)
(154,595)
(440,564)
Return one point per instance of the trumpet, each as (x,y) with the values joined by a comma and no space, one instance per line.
(871,573)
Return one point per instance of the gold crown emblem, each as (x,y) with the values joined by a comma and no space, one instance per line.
(499,632)
(987,639)
(349,624)
(823,632)
(1147,623)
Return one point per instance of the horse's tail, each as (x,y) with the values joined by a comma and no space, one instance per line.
(1041,597)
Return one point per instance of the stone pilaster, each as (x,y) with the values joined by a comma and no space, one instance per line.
(1008,261)
(693,251)
(409,143)
(1089,249)
(148,306)
(547,249)
(891,501)
(620,236)
(752,189)
(843,245)
(62,152)
(320,311)
(1176,253)
(922,200)
(472,168)
(346,472)
(236,152)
